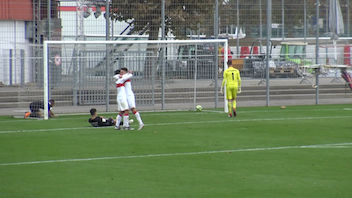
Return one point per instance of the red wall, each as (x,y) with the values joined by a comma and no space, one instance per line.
(16,10)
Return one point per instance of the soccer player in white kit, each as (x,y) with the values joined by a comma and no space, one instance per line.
(130,95)
(122,104)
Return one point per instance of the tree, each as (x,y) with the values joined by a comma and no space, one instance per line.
(181,16)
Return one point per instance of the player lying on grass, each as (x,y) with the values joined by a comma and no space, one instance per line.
(126,76)
(99,121)
(35,109)
(232,82)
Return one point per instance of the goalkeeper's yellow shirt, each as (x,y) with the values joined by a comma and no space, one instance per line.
(231,78)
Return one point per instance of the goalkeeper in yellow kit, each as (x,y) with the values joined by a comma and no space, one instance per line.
(232,82)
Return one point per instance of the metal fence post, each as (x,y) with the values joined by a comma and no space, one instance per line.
(10,67)
(75,79)
(216,35)
(238,29)
(195,78)
(260,24)
(305,20)
(196,70)
(153,82)
(317,53)
(14,55)
(107,35)
(268,55)
(163,54)
(79,34)
(49,19)
(22,55)
(283,19)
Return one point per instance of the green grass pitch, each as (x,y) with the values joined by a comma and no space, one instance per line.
(267,152)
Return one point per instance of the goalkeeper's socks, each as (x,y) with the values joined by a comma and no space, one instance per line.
(126,123)
(118,120)
(234,104)
(138,116)
(229,106)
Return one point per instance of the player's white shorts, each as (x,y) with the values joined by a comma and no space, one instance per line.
(122,103)
(131,101)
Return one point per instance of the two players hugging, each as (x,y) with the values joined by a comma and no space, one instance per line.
(125,102)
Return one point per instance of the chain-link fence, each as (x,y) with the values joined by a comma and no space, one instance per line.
(26,24)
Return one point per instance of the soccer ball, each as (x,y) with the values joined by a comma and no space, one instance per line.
(199,108)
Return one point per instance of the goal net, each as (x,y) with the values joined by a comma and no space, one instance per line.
(167,74)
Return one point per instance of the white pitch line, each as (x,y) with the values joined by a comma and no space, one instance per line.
(279,110)
(161,113)
(251,120)
(45,130)
(316,146)
(148,114)
(214,111)
(183,123)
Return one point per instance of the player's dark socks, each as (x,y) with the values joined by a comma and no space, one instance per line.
(229,115)
(234,113)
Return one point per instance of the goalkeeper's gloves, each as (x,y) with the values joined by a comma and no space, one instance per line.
(239,90)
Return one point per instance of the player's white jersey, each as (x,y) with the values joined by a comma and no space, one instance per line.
(121,98)
(130,94)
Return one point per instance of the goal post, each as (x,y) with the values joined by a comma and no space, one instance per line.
(66,64)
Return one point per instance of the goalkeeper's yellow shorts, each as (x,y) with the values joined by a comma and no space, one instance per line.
(231,93)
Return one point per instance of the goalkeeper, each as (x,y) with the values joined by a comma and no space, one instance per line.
(232,82)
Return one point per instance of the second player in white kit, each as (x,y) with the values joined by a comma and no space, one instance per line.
(125,78)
